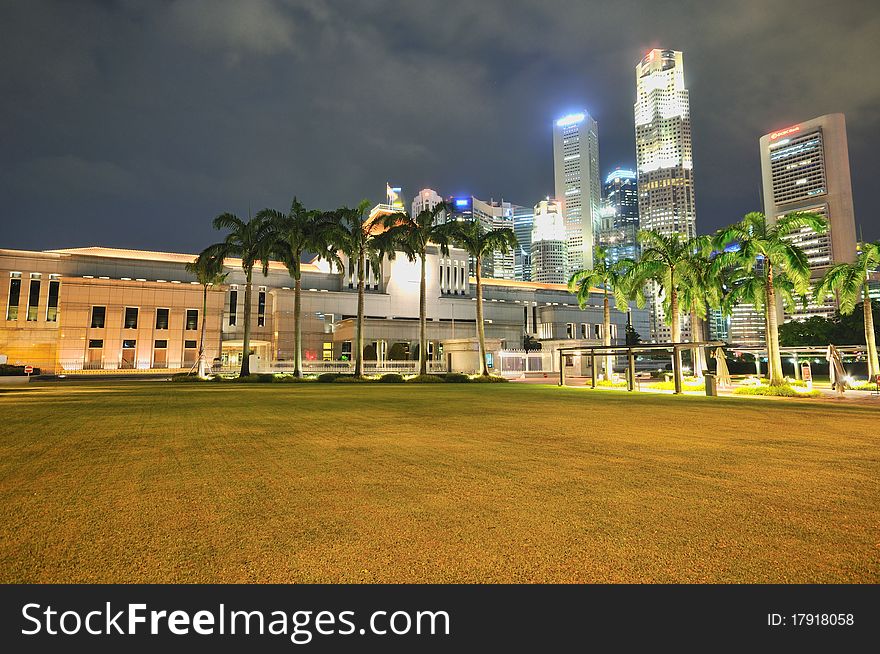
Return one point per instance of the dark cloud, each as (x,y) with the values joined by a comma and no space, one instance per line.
(133,123)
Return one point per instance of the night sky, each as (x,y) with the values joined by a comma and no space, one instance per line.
(133,123)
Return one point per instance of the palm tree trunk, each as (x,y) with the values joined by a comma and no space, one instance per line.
(675,323)
(698,357)
(202,335)
(676,330)
(297,327)
(246,341)
(606,336)
(870,339)
(774,360)
(423,326)
(359,336)
(481,331)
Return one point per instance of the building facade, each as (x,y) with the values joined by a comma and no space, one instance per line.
(805,167)
(620,215)
(664,159)
(523,221)
(576,178)
(549,245)
(491,215)
(108,310)
(426,200)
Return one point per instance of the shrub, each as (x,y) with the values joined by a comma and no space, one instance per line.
(7,370)
(490,379)
(327,377)
(670,386)
(391,378)
(456,378)
(185,377)
(350,379)
(425,379)
(290,379)
(260,378)
(611,384)
(775,391)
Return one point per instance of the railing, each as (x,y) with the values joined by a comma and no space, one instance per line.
(94,368)
(78,367)
(347,367)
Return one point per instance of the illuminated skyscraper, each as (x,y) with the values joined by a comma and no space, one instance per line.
(549,248)
(664,159)
(619,216)
(805,167)
(523,221)
(576,173)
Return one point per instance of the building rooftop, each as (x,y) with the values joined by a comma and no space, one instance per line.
(162,257)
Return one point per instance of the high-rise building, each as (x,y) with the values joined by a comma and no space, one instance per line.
(427,199)
(664,159)
(576,173)
(619,216)
(805,167)
(523,220)
(549,246)
(490,215)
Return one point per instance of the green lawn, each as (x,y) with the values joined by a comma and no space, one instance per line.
(161,482)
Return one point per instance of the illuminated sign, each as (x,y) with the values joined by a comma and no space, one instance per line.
(571,119)
(461,202)
(783,132)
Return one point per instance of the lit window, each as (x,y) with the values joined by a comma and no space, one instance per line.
(98,316)
(131,318)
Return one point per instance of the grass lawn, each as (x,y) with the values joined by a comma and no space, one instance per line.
(161,482)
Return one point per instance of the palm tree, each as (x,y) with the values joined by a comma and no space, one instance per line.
(664,260)
(470,237)
(208,272)
(765,250)
(412,235)
(611,277)
(360,238)
(700,290)
(251,241)
(742,286)
(295,233)
(848,281)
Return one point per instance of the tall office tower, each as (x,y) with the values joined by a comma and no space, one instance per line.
(523,220)
(576,173)
(427,199)
(664,160)
(490,215)
(620,215)
(549,246)
(805,167)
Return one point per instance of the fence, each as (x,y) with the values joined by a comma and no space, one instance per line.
(347,367)
(519,363)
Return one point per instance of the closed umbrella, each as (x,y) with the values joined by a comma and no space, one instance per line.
(835,369)
(721,370)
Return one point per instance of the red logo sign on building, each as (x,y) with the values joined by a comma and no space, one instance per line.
(783,132)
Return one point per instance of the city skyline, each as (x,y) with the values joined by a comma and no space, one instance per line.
(144,140)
